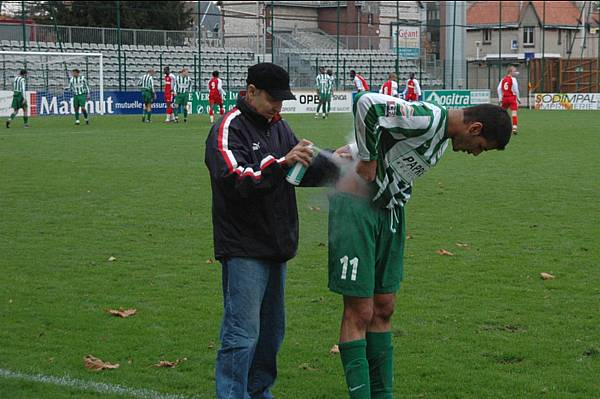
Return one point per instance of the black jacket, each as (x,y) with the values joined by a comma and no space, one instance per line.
(253,207)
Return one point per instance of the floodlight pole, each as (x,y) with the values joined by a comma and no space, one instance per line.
(499,40)
(397,42)
(272,31)
(453,45)
(337,56)
(23,26)
(199,49)
(543,45)
(119,40)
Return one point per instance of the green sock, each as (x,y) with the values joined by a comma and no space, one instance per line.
(76,115)
(149,113)
(356,368)
(26,118)
(12,116)
(380,355)
(185,113)
(318,108)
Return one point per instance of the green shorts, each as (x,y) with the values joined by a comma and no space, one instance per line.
(325,98)
(366,247)
(18,101)
(79,100)
(181,99)
(147,96)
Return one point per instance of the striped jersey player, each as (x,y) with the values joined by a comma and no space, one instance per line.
(183,86)
(18,100)
(80,88)
(146,83)
(324,83)
(396,142)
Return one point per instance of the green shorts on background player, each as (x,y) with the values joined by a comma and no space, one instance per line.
(183,85)
(146,83)
(18,101)
(396,142)
(81,93)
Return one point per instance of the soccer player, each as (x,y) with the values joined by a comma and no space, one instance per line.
(146,83)
(169,95)
(81,94)
(508,94)
(324,91)
(359,82)
(396,142)
(19,101)
(390,88)
(412,92)
(216,95)
(183,84)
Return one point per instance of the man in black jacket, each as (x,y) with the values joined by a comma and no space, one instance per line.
(255,222)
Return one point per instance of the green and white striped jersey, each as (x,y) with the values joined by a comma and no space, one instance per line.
(324,85)
(406,139)
(146,82)
(19,85)
(183,84)
(79,85)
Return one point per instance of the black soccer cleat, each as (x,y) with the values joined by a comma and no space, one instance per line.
(7,124)
(87,121)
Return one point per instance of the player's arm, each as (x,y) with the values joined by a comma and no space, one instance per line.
(417,88)
(515,89)
(220,87)
(394,89)
(499,89)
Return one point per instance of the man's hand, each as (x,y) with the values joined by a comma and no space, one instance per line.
(344,152)
(302,152)
(367,170)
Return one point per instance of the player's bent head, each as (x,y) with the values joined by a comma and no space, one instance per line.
(215,74)
(490,122)
(23,72)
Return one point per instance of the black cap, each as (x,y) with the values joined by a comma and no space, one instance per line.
(272,78)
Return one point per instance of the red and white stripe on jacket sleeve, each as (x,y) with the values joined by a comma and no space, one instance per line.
(230,160)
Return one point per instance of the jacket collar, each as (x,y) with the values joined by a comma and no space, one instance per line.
(257,119)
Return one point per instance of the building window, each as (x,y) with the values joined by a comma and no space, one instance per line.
(559,42)
(487,36)
(370,19)
(528,37)
(568,41)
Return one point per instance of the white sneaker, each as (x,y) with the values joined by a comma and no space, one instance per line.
(77,122)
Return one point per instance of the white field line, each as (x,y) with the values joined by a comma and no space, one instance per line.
(83,385)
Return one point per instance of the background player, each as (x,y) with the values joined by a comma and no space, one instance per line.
(324,91)
(216,95)
(412,92)
(390,88)
(183,84)
(146,83)
(18,101)
(508,94)
(359,82)
(169,95)
(81,94)
(397,141)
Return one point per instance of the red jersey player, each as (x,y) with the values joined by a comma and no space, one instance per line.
(412,92)
(359,82)
(508,94)
(169,82)
(390,87)
(216,94)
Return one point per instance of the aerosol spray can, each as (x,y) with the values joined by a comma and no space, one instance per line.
(296,172)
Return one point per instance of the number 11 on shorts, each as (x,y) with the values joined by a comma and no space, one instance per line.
(353,263)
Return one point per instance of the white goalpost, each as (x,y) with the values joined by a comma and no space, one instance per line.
(48,75)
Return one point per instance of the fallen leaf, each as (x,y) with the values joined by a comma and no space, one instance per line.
(315,208)
(334,350)
(122,312)
(167,364)
(95,364)
(10,301)
(112,259)
(50,359)
(547,276)
(408,237)
(209,261)
(444,252)
(211,345)
(322,244)
(461,245)
(306,366)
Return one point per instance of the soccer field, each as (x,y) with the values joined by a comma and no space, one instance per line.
(479,324)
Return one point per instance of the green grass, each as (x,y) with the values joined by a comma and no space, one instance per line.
(481,324)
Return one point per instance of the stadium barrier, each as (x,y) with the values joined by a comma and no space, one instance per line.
(566,101)
(130,103)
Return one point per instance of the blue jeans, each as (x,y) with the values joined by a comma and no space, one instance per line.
(252,328)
